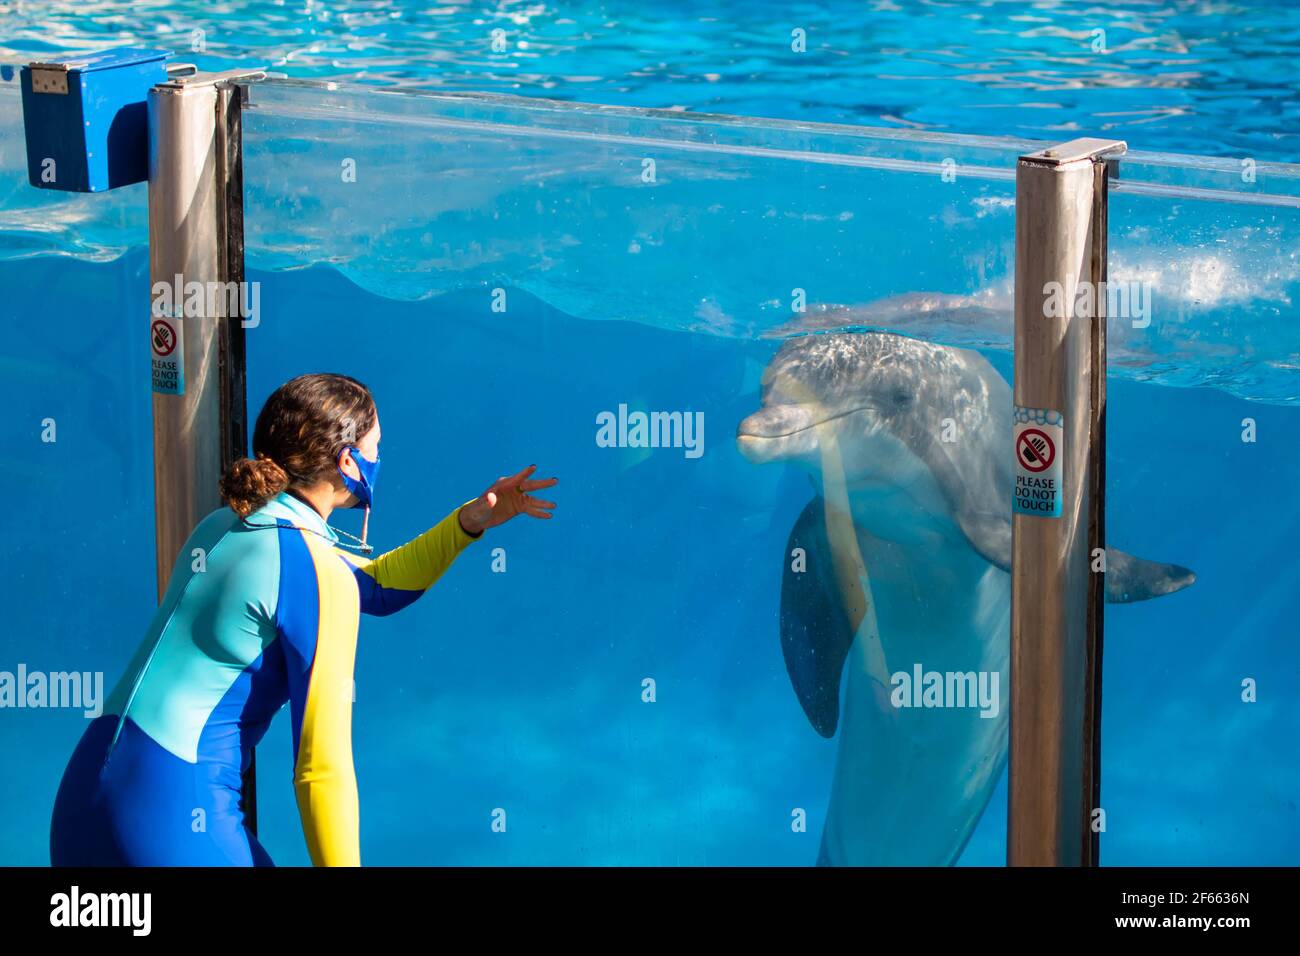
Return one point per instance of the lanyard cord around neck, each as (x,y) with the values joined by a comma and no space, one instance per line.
(365,524)
(360,545)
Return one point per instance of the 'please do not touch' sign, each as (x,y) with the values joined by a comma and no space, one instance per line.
(1038,437)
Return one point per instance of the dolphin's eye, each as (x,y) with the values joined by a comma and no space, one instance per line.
(902,398)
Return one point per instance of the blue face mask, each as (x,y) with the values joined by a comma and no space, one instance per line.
(364,489)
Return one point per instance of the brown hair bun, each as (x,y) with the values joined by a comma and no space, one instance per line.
(251,483)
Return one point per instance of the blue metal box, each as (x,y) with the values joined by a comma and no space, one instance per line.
(86,120)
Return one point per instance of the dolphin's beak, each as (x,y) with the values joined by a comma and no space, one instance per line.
(777,432)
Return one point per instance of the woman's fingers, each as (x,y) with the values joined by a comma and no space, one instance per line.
(514,490)
(538,483)
(519,478)
(521,483)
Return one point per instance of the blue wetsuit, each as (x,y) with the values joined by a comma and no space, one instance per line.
(258,611)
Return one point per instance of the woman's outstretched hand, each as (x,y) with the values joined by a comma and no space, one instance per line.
(506,498)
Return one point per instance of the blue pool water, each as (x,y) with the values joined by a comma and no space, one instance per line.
(523,690)
(1210,78)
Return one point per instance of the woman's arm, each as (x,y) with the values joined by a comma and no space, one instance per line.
(396,578)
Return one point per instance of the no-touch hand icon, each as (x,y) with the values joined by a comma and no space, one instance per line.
(164,338)
(1036,450)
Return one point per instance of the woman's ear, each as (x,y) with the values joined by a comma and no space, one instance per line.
(348,466)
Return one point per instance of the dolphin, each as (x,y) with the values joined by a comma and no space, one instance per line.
(980,319)
(899,567)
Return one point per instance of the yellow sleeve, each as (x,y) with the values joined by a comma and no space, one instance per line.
(396,578)
(324,780)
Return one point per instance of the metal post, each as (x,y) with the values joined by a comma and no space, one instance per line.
(196,235)
(1060,397)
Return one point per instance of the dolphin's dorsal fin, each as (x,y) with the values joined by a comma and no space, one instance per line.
(815,630)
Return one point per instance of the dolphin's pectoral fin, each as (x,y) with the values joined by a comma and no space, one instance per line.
(1130,579)
(989,536)
(815,631)
(974,499)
